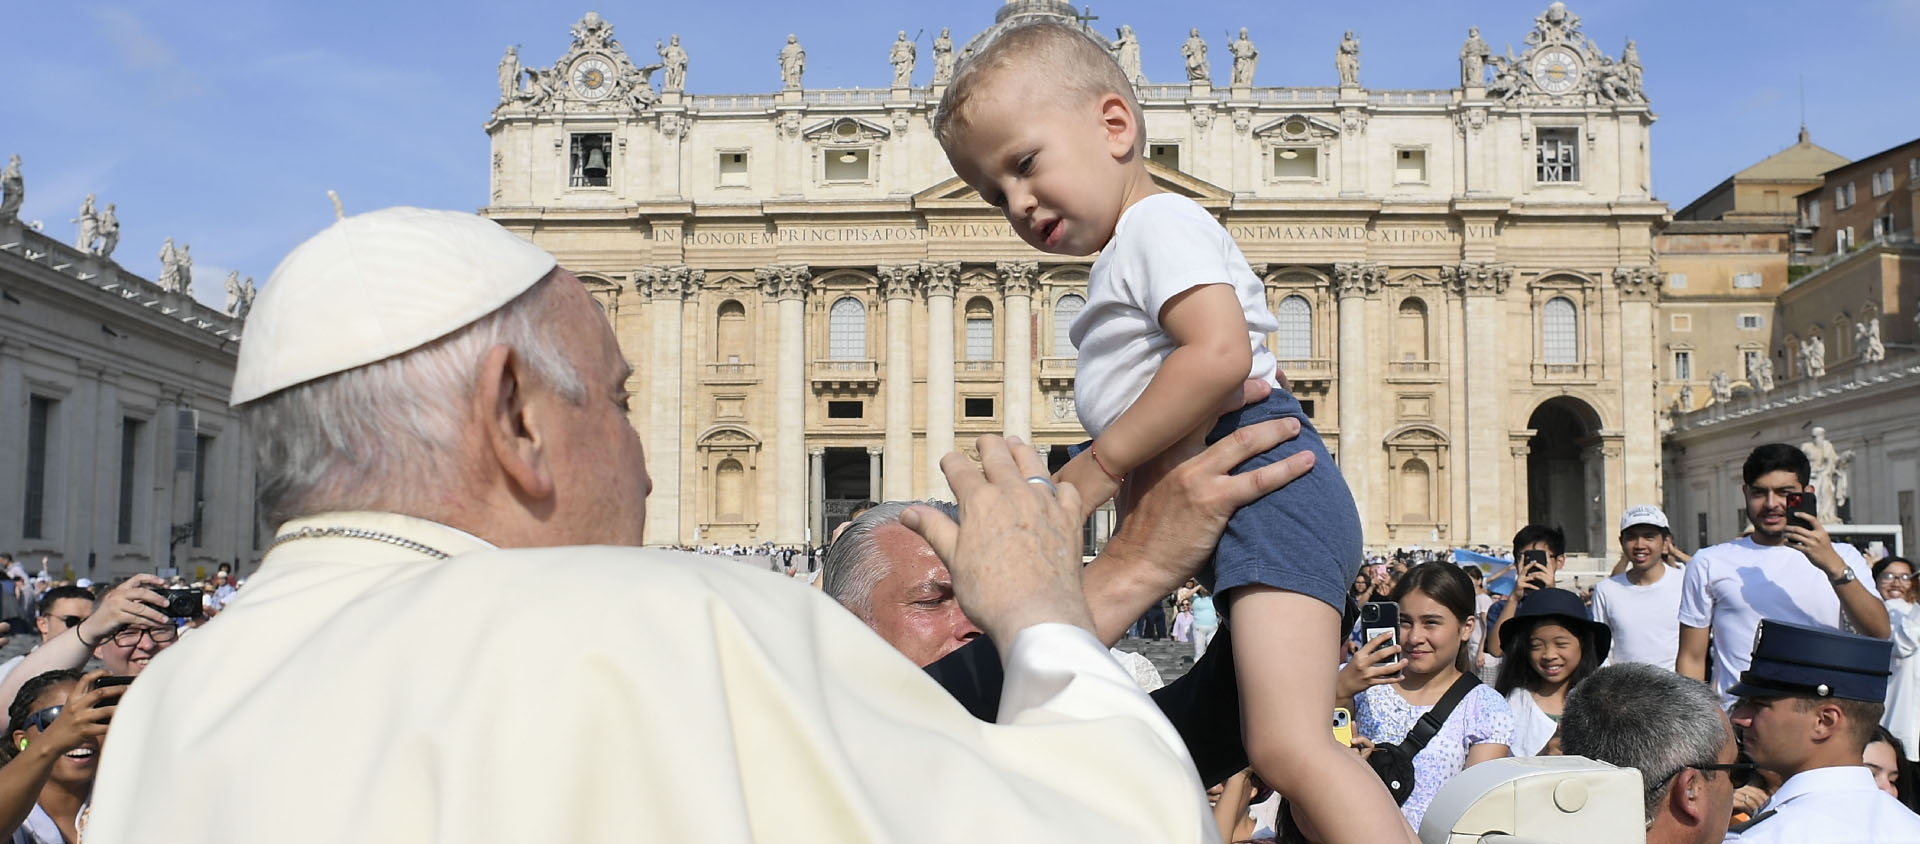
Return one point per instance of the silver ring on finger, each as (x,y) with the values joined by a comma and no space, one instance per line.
(1051,489)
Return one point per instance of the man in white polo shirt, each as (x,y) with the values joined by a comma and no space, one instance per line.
(1787,570)
(1641,603)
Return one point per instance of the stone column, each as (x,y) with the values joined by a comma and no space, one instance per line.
(1016,291)
(664,289)
(1639,290)
(898,283)
(940,279)
(788,285)
(1483,286)
(1517,444)
(1354,282)
(817,493)
(874,471)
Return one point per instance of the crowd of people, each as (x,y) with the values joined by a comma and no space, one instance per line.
(440,407)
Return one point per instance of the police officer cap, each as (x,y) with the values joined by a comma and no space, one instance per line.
(1793,660)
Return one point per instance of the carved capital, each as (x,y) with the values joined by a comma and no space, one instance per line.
(1355,120)
(1202,116)
(897,281)
(1471,279)
(670,282)
(1638,282)
(1242,120)
(1016,277)
(673,125)
(940,277)
(784,281)
(1357,279)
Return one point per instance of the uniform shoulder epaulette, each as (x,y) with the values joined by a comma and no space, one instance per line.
(1753,821)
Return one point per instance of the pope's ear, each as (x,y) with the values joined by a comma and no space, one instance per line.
(512,422)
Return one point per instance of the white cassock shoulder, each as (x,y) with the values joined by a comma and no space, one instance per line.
(639,695)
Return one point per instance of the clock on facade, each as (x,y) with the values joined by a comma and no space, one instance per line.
(592,78)
(1556,70)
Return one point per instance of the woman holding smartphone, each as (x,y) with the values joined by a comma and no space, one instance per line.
(56,725)
(1388,694)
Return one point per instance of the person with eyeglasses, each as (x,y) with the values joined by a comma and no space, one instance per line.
(1806,709)
(1672,730)
(1894,577)
(72,631)
(56,725)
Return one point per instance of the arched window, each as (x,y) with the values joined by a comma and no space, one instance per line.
(847,330)
(1065,312)
(1412,331)
(1416,492)
(730,333)
(729,490)
(1560,331)
(979,329)
(1295,335)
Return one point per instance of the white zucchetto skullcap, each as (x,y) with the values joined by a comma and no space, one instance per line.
(375,285)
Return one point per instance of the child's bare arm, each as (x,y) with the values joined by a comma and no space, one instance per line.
(1209,364)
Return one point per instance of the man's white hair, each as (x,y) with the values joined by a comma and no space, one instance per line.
(387,434)
(854,565)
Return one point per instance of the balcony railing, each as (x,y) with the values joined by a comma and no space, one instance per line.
(1564,373)
(1056,373)
(730,373)
(845,375)
(1302,370)
(1416,369)
(978,370)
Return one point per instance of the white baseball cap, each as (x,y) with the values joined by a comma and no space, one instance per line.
(376,285)
(1645,514)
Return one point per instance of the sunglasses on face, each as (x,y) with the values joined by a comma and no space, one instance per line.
(69,620)
(1738,773)
(42,719)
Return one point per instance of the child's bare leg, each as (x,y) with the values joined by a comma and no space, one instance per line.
(1285,646)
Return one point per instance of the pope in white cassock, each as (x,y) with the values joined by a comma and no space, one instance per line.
(438,408)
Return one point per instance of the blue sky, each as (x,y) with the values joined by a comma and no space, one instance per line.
(222,124)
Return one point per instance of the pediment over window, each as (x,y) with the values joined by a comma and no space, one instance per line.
(1416,435)
(1296,127)
(846,130)
(728,436)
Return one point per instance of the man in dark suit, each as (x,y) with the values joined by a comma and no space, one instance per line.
(887,575)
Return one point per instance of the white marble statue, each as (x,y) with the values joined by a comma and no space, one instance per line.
(1867,337)
(1473,59)
(1813,356)
(793,62)
(1630,71)
(673,58)
(1830,475)
(638,84)
(943,58)
(1760,375)
(1722,387)
(1126,51)
(184,277)
(169,267)
(109,228)
(89,221)
(13,190)
(247,291)
(1194,51)
(1244,58)
(902,57)
(510,75)
(1347,61)
(1686,397)
(234,293)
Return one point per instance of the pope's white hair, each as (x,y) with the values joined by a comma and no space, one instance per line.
(386,436)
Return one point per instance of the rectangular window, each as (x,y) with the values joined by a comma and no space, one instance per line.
(1746,281)
(848,165)
(1883,182)
(1306,407)
(1167,155)
(978,407)
(1883,226)
(1557,156)
(39,419)
(845,409)
(1913,175)
(1750,322)
(1410,165)
(979,338)
(129,462)
(1676,281)
(1296,163)
(1749,358)
(1681,322)
(733,169)
(1813,213)
(1843,239)
(590,160)
(1843,196)
(1682,366)
(203,447)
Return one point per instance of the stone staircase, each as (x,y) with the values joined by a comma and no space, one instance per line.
(1171,658)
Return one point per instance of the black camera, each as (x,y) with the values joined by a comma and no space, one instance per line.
(183,603)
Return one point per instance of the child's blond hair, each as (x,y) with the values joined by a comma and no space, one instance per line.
(1058,58)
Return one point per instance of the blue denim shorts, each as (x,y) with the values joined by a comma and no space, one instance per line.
(1303,537)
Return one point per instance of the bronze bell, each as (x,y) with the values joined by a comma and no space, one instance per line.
(596,164)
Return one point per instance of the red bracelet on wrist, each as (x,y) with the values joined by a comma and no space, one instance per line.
(1094,449)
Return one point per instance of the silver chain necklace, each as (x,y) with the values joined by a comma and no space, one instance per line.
(356,533)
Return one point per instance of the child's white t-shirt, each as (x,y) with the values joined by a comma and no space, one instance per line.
(1163,246)
(1730,587)
(1642,617)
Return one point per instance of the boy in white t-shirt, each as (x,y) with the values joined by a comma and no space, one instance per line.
(1043,123)
(1641,603)
(1787,570)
